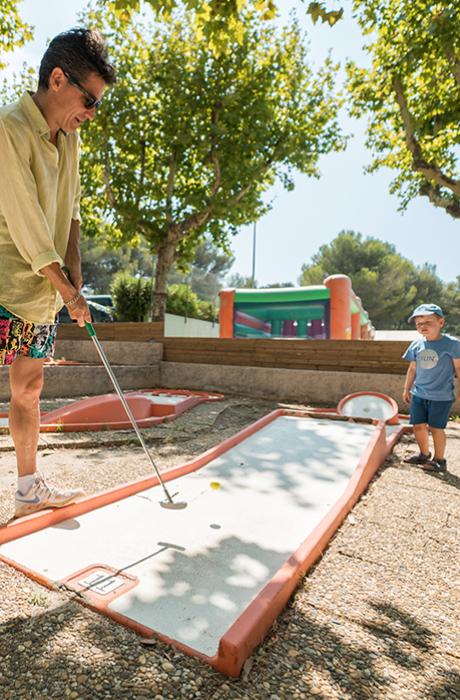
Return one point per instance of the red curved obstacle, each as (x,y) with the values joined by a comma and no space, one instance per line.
(106,412)
(369,404)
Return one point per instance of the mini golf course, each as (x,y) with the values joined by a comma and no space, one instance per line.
(210,579)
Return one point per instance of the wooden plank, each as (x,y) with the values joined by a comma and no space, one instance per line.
(135,332)
(326,355)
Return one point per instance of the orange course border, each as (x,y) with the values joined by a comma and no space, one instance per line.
(253,624)
(109,405)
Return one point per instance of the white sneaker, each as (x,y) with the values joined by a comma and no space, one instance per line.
(41,496)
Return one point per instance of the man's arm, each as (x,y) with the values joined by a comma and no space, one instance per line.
(77,308)
(72,257)
(410,377)
(19,204)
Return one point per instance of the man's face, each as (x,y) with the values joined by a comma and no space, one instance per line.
(429,326)
(72,96)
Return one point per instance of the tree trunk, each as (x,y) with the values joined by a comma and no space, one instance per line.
(165,260)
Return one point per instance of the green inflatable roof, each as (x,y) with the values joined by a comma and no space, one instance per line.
(286,294)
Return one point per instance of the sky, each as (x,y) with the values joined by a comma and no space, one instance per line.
(317,210)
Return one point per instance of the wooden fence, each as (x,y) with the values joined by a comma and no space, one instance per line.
(330,355)
(136,332)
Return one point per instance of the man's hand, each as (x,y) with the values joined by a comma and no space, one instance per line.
(406,396)
(80,312)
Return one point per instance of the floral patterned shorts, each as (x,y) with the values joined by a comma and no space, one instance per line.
(18,337)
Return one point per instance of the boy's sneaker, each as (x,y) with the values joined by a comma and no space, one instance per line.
(418,459)
(41,496)
(439,466)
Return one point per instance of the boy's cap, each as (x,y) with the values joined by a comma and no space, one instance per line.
(425,310)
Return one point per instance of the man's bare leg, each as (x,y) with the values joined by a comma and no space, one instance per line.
(26,382)
(33,494)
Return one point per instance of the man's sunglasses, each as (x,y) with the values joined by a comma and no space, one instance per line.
(90,101)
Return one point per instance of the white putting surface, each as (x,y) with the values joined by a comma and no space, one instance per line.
(200,567)
(167,399)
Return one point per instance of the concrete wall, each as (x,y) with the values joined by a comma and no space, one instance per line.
(306,386)
(136,366)
(180,327)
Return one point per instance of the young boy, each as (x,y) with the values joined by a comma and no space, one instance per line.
(434,362)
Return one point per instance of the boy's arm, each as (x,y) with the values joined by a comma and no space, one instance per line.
(457,372)
(410,377)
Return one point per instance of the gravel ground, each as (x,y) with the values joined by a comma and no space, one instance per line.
(377,618)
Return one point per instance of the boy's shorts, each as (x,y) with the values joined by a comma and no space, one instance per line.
(21,338)
(435,413)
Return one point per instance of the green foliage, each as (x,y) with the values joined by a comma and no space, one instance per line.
(220,22)
(389,285)
(451,305)
(186,144)
(206,273)
(318,10)
(13,31)
(237,281)
(100,263)
(131,297)
(411,94)
(182,301)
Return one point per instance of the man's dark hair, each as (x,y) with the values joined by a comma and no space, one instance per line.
(78,52)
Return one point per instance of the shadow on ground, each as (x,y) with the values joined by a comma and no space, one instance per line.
(112,663)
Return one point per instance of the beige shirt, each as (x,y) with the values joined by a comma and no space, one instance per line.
(39,197)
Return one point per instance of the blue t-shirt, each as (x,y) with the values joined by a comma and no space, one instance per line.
(435,372)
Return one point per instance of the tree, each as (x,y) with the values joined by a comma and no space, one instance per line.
(278,285)
(237,281)
(389,285)
(13,31)
(221,22)
(411,94)
(100,264)
(186,143)
(451,306)
(206,273)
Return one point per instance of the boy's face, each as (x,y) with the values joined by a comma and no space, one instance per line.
(429,326)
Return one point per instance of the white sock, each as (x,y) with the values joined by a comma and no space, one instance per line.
(25,482)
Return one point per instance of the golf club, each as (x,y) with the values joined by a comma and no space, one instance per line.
(169,503)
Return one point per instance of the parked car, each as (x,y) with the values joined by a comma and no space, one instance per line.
(99,313)
(102,299)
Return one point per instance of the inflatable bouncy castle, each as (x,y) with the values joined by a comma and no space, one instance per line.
(327,311)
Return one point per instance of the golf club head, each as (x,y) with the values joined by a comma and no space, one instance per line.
(171,505)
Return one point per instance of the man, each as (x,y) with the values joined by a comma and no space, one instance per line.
(40,235)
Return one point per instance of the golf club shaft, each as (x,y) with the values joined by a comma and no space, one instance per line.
(103,356)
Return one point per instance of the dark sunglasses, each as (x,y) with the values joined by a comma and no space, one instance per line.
(90,101)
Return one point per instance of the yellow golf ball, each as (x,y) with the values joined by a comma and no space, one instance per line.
(215,485)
